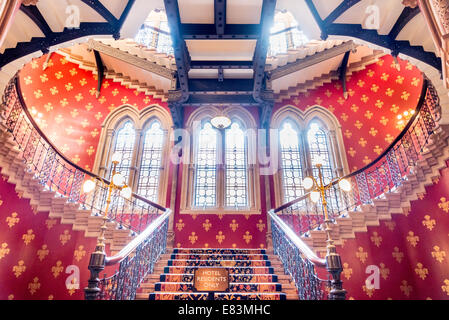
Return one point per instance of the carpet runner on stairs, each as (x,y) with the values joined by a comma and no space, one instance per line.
(253,275)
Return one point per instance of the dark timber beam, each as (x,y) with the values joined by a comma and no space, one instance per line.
(406,16)
(317,18)
(34,14)
(312,60)
(222,99)
(182,57)
(342,8)
(220,16)
(100,71)
(343,70)
(404,47)
(260,54)
(101,9)
(209,31)
(221,64)
(227,85)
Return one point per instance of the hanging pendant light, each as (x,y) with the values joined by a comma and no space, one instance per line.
(221,121)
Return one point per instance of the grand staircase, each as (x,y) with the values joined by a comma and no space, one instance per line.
(255,274)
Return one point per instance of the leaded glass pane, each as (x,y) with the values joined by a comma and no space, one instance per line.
(150,165)
(319,148)
(124,144)
(206,168)
(291,162)
(236,171)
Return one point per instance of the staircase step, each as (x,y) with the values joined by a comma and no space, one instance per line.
(219,251)
(185,256)
(251,278)
(217,296)
(232,270)
(233,287)
(220,263)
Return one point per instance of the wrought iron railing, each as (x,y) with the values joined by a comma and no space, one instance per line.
(58,174)
(144,219)
(385,174)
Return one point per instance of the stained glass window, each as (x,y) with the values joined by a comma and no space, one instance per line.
(150,165)
(236,172)
(319,148)
(291,161)
(124,144)
(206,168)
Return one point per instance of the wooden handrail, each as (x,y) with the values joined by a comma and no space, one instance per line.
(130,247)
(301,245)
(60,154)
(380,157)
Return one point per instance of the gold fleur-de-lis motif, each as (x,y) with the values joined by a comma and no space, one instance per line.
(369,292)
(331,108)
(379,104)
(444,204)
(397,254)
(384,120)
(74,113)
(233,225)
(65,237)
(83,82)
(377,150)
(90,151)
(124,100)
(4,250)
(19,268)
(428,222)
(364,98)
(405,95)
(368,114)
(363,142)
(73,72)
(247,237)
(361,254)
(180,225)
(34,286)
(389,138)
(147,100)
(348,134)
(98,115)
(28,80)
(358,124)
(374,87)
(373,131)
(384,271)
(445,286)
(54,91)
(193,238)
(80,141)
(44,78)
(102,99)
(355,108)
(385,76)
(207,225)
(93,91)
(84,123)
(347,272)
(68,86)
(28,237)
(370,73)
(79,253)
(318,101)
(421,271)
(328,93)
(194,216)
(376,239)
(344,117)
(220,237)
(406,289)
(38,94)
(389,92)
(361,83)
(115,92)
(59,75)
(366,160)
(50,223)
(12,220)
(415,81)
(43,252)
(438,254)
(57,269)
(412,239)
(400,79)
(260,225)
(94,133)
(89,106)
(352,152)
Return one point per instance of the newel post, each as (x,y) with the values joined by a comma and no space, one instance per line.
(96,265)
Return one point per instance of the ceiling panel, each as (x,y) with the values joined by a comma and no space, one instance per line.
(243,12)
(325,7)
(196,11)
(116,7)
(221,50)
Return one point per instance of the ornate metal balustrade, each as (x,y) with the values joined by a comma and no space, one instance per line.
(385,174)
(144,219)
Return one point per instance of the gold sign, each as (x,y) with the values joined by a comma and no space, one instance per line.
(211,279)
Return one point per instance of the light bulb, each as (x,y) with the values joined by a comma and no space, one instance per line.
(126,193)
(314,196)
(400,117)
(308,183)
(412,112)
(116,157)
(118,179)
(405,113)
(345,185)
(88,186)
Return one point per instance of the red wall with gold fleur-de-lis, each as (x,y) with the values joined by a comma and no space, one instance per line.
(411,251)
(37,251)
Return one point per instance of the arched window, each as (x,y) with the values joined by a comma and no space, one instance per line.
(220,174)
(305,139)
(142,139)
(285,34)
(206,168)
(291,161)
(151,161)
(124,144)
(155,33)
(236,167)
